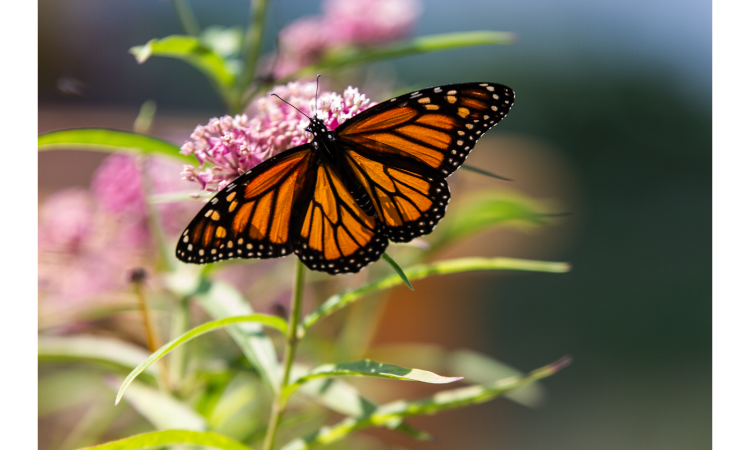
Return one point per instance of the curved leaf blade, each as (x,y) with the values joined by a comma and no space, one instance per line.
(270,321)
(398,270)
(107,140)
(491,210)
(423,44)
(368,368)
(170,437)
(90,348)
(442,401)
(425,270)
(476,368)
(191,50)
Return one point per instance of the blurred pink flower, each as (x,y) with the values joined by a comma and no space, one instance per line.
(118,187)
(233,145)
(344,23)
(65,220)
(83,250)
(368,22)
(90,240)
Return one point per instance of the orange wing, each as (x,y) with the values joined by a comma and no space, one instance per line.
(435,127)
(254,216)
(402,150)
(336,235)
(407,202)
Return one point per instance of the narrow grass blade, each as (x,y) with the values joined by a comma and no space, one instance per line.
(397,269)
(191,50)
(367,368)
(172,437)
(271,321)
(110,141)
(439,402)
(89,348)
(424,44)
(425,270)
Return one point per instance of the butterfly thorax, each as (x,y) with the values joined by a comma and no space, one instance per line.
(322,136)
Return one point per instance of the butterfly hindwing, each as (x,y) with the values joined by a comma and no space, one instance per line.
(336,235)
(437,126)
(408,200)
(253,217)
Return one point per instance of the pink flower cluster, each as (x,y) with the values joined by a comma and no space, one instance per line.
(84,251)
(229,146)
(89,240)
(344,23)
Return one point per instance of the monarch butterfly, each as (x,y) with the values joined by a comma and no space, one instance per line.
(336,201)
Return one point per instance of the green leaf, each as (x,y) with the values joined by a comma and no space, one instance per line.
(106,140)
(271,321)
(90,348)
(171,437)
(367,368)
(474,367)
(350,56)
(398,270)
(425,270)
(191,50)
(343,398)
(490,210)
(226,42)
(161,409)
(220,300)
(385,415)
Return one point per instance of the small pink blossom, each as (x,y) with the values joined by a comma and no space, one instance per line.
(369,22)
(358,23)
(229,146)
(118,187)
(90,240)
(84,250)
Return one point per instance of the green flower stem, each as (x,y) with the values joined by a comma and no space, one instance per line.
(292,339)
(186,17)
(253,44)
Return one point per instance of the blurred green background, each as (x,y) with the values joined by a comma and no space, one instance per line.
(619,94)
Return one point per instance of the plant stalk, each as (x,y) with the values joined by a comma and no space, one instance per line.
(253,44)
(186,17)
(292,339)
(138,278)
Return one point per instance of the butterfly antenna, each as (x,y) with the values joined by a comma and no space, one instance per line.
(317,83)
(292,106)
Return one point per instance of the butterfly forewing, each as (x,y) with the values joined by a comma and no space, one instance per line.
(436,126)
(253,217)
(402,150)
